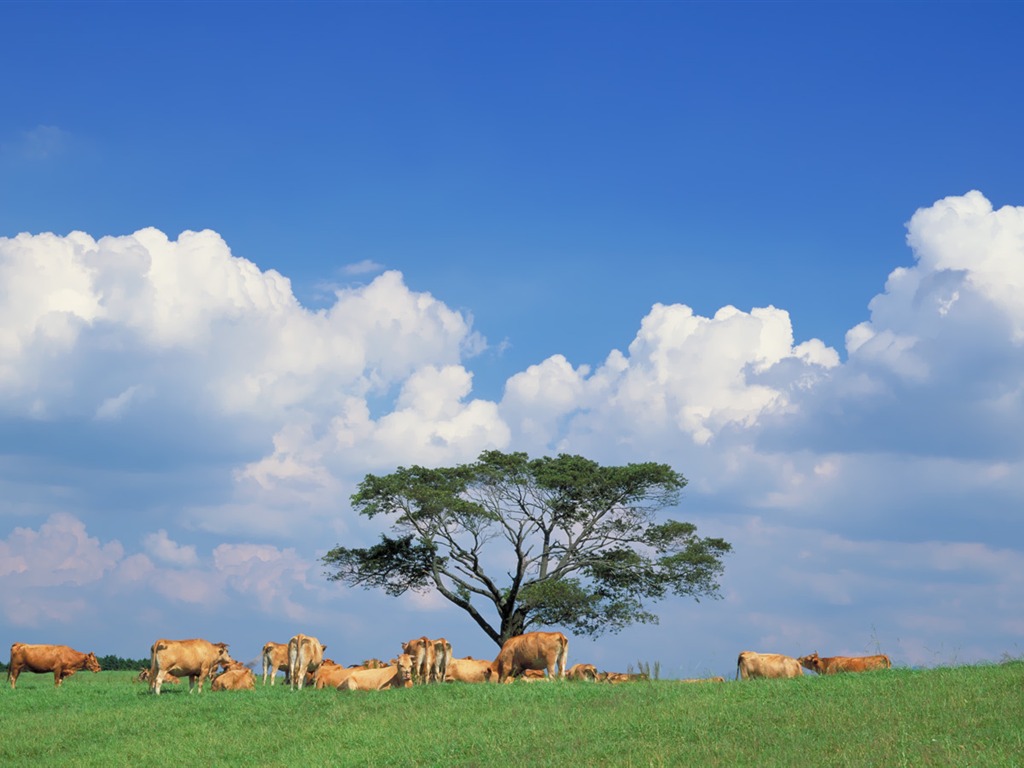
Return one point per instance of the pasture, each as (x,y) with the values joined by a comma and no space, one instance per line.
(955,716)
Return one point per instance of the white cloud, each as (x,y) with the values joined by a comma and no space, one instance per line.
(160,546)
(366,266)
(59,553)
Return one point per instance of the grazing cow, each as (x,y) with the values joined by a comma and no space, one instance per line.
(751,664)
(59,659)
(582,672)
(703,680)
(468,670)
(830,665)
(442,656)
(534,650)
(275,657)
(305,654)
(195,658)
(237,677)
(398,675)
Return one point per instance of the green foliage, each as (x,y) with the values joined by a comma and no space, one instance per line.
(588,552)
(899,717)
(114,663)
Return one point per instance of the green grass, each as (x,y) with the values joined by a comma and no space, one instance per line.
(956,716)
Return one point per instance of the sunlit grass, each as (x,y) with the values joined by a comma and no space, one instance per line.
(952,716)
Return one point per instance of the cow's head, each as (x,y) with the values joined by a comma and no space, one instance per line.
(404,664)
(223,658)
(811,662)
(91,663)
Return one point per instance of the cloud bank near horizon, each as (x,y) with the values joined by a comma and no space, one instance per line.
(176,365)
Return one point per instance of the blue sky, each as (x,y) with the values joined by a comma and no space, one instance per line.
(413,231)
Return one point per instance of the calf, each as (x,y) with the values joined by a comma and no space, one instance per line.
(275,657)
(469,671)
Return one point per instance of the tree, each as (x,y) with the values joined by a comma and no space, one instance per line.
(586,549)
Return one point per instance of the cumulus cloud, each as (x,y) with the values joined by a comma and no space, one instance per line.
(857,487)
(161,547)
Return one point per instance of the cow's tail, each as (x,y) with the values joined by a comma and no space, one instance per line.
(739,662)
(563,656)
(266,663)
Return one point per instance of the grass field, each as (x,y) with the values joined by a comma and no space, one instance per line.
(958,716)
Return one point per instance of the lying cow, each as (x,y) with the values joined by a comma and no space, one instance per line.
(195,658)
(533,650)
(468,670)
(751,664)
(143,677)
(398,675)
(582,672)
(830,665)
(622,677)
(237,677)
(305,654)
(703,680)
(275,657)
(59,659)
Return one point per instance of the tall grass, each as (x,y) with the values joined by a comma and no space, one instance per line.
(954,716)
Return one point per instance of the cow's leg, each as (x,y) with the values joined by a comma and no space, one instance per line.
(57,677)
(12,674)
(156,680)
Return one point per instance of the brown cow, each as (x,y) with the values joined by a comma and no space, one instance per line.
(237,677)
(195,658)
(703,680)
(622,677)
(422,652)
(305,654)
(442,656)
(751,664)
(143,677)
(830,665)
(275,657)
(398,675)
(534,650)
(582,672)
(333,675)
(59,659)
(468,670)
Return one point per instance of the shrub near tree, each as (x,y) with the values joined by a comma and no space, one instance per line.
(588,550)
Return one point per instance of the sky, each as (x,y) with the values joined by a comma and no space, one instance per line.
(250,253)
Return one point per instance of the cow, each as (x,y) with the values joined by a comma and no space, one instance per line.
(534,650)
(275,657)
(305,654)
(333,675)
(442,656)
(423,653)
(398,675)
(143,677)
(775,665)
(830,665)
(703,680)
(582,672)
(194,658)
(59,659)
(622,677)
(237,677)
(468,670)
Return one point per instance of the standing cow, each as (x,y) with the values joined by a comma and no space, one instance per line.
(751,664)
(305,654)
(59,659)
(275,657)
(533,650)
(194,658)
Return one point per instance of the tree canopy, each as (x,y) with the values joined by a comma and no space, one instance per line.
(543,542)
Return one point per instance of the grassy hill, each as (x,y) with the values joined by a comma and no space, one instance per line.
(954,716)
